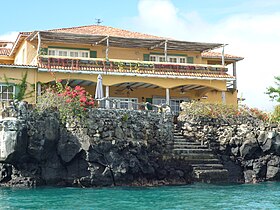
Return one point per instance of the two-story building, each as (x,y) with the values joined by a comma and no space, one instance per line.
(135,67)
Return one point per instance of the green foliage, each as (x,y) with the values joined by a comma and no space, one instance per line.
(221,110)
(125,117)
(208,109)
(21,86)
(71,103)
(274,92)
(275,117)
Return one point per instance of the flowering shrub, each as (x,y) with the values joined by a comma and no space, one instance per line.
(221,110)
(208,109)
(72,103)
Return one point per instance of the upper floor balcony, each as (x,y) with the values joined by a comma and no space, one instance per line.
(133,68)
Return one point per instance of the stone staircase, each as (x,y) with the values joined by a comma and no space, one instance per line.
(206,165)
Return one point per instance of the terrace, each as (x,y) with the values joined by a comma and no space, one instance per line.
(132,67)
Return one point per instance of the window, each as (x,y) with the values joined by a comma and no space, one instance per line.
(182,60)
(6,92)
(69,53)
(153,58)
(84,54)
(161,59)
(172,60)
(174,103)
(74,54)
(51,52)
(62,53)
(123,103)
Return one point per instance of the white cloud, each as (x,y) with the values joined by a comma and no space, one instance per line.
(11,36)
(256,36)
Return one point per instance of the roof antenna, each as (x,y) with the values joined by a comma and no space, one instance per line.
(98,21)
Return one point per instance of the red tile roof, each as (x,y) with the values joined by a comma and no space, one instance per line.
(5,51)
(219,55)
(105,31)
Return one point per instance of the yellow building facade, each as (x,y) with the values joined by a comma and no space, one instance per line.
(135,67)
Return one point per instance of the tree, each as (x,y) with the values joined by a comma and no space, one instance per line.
(274,92)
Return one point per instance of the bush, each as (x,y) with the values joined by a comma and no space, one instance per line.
(71,103)
(221,110)
(275,117)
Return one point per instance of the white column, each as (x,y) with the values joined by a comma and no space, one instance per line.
(223,97)
(39,89)
(167,96)
(130,105)
(165,50)
(107,49)
(234,74)
(107,104)
(223,55)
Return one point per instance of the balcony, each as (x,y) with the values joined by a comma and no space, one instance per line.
(132,67)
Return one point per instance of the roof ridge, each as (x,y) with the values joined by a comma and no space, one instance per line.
(104,27)
(73,27)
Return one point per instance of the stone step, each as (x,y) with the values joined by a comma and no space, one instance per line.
(187,142)
(189,146)
(178,137)
(191,156)
(197,160)
(207,166)
(193,150)
(214,175)
(181,139)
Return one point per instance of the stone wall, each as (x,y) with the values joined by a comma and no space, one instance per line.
(248,147)
(109,147)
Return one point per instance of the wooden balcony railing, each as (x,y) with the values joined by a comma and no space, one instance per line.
(99,64)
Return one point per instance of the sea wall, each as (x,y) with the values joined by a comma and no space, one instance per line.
(107,148)
(248,147)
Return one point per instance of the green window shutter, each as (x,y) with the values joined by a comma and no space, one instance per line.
(44,51)
(190,60)
(146,57)
(150,100)
(16,91)
(93,54)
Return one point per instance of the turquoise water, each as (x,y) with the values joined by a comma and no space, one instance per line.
(196,196)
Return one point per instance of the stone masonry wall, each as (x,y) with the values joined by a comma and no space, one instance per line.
(248,147)
(110,147)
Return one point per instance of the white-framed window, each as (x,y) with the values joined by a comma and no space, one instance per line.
(153,58)
(51,52)
(74,54)
(7,92)
(171,59)
(161,59)
(183,60)
(68,53)
(174,103)
(124,103)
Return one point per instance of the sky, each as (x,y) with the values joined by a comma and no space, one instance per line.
(251,28)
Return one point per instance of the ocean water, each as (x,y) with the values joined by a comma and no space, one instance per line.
(195,196)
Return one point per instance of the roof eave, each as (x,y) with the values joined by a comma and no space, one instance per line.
(172,44)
